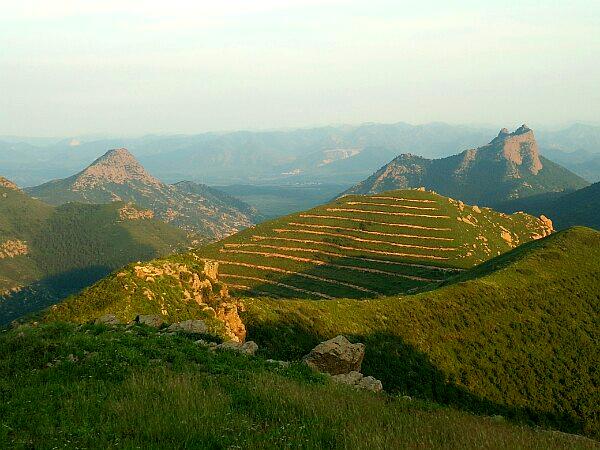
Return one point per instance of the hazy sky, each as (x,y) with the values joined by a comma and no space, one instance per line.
(133,67)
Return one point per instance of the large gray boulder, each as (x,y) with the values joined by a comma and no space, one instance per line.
(336,356)
(188,326)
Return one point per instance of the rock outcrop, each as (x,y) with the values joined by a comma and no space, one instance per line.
(13,248)
(6,183)
(336,356)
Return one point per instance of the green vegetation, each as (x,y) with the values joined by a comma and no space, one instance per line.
(69,247)
(365,246)
(96,387)
(517,335)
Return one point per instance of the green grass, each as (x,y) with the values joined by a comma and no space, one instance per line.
(139,389)
(70,247)
(517,335)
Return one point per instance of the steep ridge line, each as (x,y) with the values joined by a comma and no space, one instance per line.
(343,247)
(423,208)
(352,219)
(327,264)
(375,233)
(276,283)
(385,213)
(370,241)
(355,258)
(300,274)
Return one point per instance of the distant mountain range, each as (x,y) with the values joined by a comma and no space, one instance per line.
(510,166)
(334,154)
(49,252)
(566,209)
(118,176)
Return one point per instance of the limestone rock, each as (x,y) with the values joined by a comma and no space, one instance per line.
(370,384)
(336,356)
(359,381)
(229,315)
(188,326)
(151,320)
(211,269)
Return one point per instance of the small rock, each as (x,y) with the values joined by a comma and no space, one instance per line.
(406,397)
(188,326)
(151,320)
(370,384)
(336,356)
(72,358)
(107,319)
(351,378)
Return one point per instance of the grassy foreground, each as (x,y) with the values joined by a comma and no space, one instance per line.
(67,386)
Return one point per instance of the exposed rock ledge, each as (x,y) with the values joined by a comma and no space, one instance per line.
(10,249)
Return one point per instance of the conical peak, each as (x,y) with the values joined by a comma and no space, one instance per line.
(116,166)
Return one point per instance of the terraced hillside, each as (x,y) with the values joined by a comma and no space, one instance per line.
(365,246)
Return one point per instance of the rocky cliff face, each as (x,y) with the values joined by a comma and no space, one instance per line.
(510,166)
(518,148)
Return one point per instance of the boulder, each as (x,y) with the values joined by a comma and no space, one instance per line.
(370,384)
(188,326)
(247,348)
(151,320)
(359,381)
(107,319)
(336,356)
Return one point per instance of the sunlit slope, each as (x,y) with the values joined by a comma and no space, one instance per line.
(365,246)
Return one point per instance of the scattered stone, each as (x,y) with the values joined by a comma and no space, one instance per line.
(336,356)
(107,319)
(370,384)
(72,358)
(247,348)
(202,342)
(406,397)
(151,320)
(188,326)
(359,381)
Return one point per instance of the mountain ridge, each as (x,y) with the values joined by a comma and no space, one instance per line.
(509,166)
(205,213)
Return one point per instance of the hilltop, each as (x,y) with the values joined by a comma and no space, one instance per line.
(118,176)
(510,166)
(49,252)
(580,207)
(356,246)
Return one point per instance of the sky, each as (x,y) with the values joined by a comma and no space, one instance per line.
(134,67)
